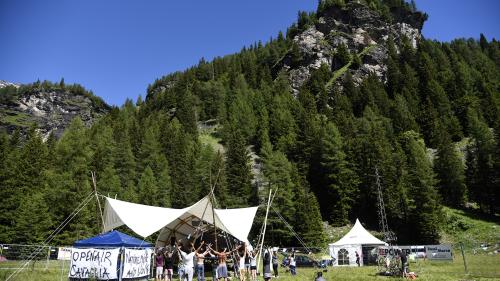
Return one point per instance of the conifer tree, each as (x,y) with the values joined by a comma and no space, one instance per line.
(103,146)
(32,162)
(186,111)
(10,190)
(308,223)
(108,182)
(341,57)
(340,190)
(450,172)
(33,222)
(71,183)
(425,212)
(278,174)
(148,188)
(124,161)
(370,150)
(282,126)
(480,162)
(238,171)
(176,145)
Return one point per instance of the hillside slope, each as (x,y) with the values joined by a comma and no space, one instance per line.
(50,106)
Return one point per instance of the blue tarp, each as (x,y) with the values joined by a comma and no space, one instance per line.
(112,239)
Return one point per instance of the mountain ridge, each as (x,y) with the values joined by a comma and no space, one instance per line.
(48,106)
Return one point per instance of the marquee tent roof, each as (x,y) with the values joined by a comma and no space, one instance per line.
(180,223)
(358,235)
(112,239)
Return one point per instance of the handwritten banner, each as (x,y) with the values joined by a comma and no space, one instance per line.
(98,263)
(137,263)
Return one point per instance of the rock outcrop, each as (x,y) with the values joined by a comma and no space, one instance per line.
(362,30)
(50,109)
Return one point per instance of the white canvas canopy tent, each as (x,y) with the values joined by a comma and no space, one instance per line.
(189,222)
(344,250)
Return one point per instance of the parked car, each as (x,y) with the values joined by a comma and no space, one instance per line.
(300,261)
(324,263)
(418,252)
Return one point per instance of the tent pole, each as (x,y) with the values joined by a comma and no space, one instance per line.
(212,203)
(97,198)
(213,218)
(264,231)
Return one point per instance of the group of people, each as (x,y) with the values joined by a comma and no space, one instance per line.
(245,261)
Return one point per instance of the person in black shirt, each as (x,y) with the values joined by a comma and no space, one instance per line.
(319,277)
(169,265)
(404,262)
(275,264)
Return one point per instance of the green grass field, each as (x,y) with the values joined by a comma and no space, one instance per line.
(481,267)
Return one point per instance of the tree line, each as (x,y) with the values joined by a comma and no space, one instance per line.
(431,130)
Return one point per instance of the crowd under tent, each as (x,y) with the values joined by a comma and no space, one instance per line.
(190,223)
(359,240)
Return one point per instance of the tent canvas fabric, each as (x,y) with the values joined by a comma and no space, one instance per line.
(112,239)
(179,223)
(349,259)
(353,241)
(358,235)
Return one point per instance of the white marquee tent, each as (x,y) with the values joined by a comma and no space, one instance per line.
(179,223)
(344,250)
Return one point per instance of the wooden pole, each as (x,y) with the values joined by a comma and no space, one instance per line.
(213,218)
(97,198)
(212,197)
(463,256)
(264,230)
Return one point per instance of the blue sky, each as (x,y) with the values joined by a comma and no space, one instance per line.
(117,47)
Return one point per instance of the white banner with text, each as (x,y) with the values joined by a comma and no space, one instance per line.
(94,263)
(439,252)
(137,263)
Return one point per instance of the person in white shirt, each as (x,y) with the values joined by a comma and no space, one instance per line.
(186,262)
(292,264)
(253,264)
(241,263)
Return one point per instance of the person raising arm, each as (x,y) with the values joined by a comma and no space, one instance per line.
(222,267)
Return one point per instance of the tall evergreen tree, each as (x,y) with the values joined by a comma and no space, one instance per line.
(33,223)
(450,172)
(278,174)
(425,212)
(480,162)
(340,190)
(238,171)
(148,188)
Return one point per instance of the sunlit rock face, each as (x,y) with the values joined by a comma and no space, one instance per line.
(362,30)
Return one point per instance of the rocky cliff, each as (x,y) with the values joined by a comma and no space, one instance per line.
(50,106)
(364,32)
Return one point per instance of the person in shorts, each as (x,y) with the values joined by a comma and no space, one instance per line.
(222,267)
(168,265)
(253,264)
(159,264)
(241,263)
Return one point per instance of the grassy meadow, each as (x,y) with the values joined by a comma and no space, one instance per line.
(480,267)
